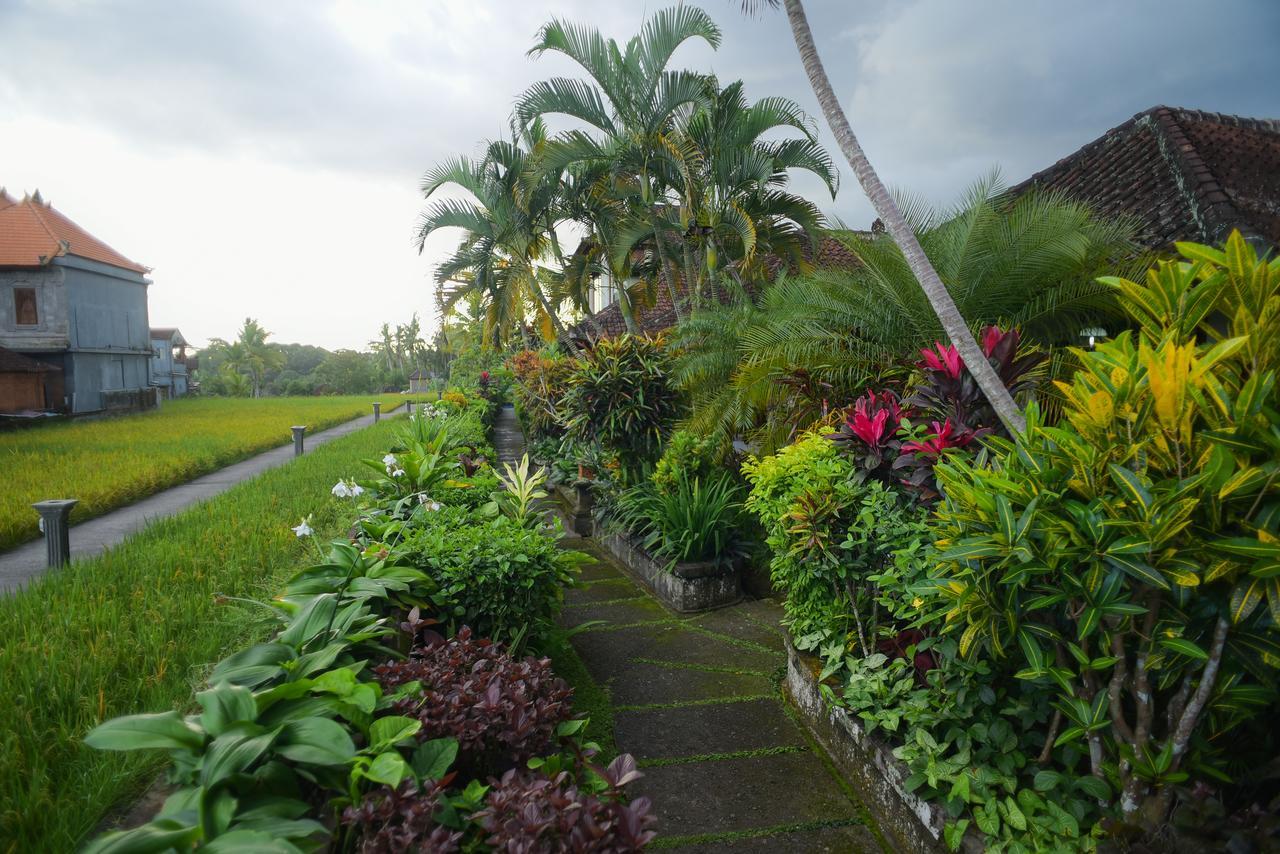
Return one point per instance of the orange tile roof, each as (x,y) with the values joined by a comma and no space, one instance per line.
(32,234)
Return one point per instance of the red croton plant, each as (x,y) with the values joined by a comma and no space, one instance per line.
(946,394)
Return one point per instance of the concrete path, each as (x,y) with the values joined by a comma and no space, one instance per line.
(697,700)
(94,536)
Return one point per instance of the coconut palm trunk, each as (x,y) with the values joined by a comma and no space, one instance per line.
(943,305)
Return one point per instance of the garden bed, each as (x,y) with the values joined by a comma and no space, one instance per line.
(687,587)
(909,822)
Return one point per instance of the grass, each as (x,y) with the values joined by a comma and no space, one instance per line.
(589,697)
(108,463)
(135,629)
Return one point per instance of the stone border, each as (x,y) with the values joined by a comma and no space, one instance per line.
(577,503)
(687,587)
(911,823)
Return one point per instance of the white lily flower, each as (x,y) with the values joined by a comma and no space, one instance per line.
(389,459)
(355,489)
(398,473)
(304,528)
(425,501)
(340,489)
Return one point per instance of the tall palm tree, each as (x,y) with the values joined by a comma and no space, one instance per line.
(504,241)
(1031,262)
(251,355)
(738,204)
(631,101)
(949,316)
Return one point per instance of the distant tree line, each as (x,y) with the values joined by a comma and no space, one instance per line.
(252,366)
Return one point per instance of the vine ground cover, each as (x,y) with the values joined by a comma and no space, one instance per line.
(112,462)
(133,629)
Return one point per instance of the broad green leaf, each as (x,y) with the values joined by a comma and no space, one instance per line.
(387,732)
(315,741)
(1139,569)
(1094,787)
(224,705)
(1244,598)
(387,768)
(163,731)
(1046,780)
(157,836)
(432,759)
(231,753)
(1131,487)
(249,842)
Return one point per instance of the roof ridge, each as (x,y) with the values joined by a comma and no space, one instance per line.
(1209,204)
(63,246)
(1262,124)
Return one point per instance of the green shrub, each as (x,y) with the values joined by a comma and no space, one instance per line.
(498,577)
(685,454)
(1121,561)
(694,521)
(619,396)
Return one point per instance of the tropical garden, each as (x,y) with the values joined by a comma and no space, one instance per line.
(1013,478)
(1015,482)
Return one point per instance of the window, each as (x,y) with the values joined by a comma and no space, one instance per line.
(24,307)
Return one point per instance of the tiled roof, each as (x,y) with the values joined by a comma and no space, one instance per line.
(1181,174)
(32,234)
(608,322)
(16,363)
(167,333)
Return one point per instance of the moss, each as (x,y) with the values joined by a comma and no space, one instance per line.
(589,697)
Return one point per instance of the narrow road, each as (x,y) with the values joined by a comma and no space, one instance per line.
(697,701)
(96,535)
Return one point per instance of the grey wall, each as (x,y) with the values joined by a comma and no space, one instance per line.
(51,302)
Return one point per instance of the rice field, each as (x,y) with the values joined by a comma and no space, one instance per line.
(135,629)
(112,462)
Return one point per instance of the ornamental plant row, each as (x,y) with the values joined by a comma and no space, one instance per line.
(375,720)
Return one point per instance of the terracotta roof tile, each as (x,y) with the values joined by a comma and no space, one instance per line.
(1180,174)
(33,233)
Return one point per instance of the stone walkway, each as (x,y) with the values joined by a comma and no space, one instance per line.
(92,537)
(697,701)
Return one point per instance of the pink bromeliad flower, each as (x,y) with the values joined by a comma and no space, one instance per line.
(945,358)
(873,414)
(944,436)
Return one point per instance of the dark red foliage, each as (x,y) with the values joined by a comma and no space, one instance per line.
(900,645)
(402,820)
(501,711)
(871,431)
(470,460)
(948,392)
(528,813)
(917,460)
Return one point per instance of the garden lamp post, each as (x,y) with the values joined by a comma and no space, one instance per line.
(298,432)
(57,533)
(377,411)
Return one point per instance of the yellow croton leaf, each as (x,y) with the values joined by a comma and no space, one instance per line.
(1169,376)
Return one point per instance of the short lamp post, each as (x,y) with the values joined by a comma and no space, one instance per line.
(57,533)
(299,431)
(377,411)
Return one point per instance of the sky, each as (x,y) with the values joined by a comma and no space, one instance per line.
(264,158)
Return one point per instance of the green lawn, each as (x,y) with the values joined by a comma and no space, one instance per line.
(134,629)
(112,462)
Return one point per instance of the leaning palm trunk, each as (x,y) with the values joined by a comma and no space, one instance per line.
(943,305)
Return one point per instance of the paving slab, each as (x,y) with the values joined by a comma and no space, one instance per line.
(736,623)
(752,793)
(706,729)
(849,839)
(593,572)
(603,590)
(629,610)
(94,536)
(638,683)
(606,649)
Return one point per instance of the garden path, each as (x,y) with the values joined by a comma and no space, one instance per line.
(697,700)
(94,536)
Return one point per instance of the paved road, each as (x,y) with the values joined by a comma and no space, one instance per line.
(97,535)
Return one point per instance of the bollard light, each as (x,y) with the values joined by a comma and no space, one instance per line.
(377,411)
(298,432)
(57,533)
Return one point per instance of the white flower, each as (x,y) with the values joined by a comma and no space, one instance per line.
(347,489)
(425,501)
(304,528)
(389,460)
(398,473)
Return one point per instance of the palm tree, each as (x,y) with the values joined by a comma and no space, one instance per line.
(503,242)
(738,204)
(940,300)
(251,355)
(1031,262)
(631,101)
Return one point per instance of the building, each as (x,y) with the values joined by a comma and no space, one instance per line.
(169,362)
(25,384)
(71,302)
(1180,175)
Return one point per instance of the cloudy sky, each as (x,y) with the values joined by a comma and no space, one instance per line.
(263,157)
